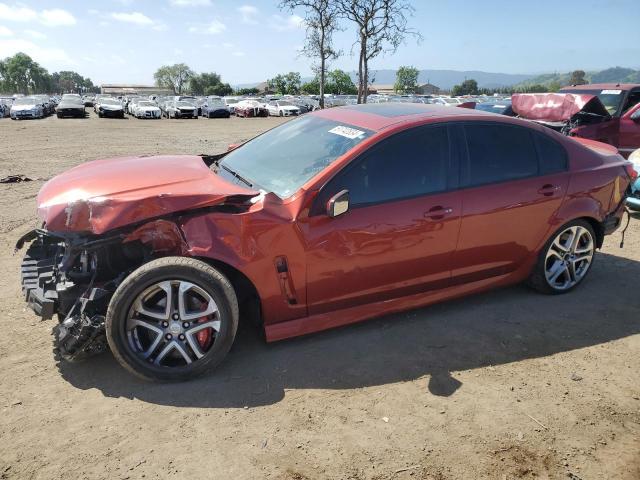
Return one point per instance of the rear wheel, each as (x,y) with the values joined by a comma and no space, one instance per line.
(172,319)
(566,259)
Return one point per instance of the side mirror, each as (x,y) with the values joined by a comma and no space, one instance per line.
(338,204)
(635,116)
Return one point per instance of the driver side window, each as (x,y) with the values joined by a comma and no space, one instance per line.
(408,164)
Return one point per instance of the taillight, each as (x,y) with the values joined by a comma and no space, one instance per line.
(633,175)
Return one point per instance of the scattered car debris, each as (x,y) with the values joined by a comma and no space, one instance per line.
(15,179)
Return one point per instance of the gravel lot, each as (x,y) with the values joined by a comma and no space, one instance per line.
(504,385)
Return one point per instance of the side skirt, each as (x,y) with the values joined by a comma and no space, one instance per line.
(324,321)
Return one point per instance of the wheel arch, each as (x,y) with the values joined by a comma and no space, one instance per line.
(249,301)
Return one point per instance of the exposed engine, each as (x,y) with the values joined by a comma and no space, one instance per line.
(74,278)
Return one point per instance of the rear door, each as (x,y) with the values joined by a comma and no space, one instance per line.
(513,180)
(400,231)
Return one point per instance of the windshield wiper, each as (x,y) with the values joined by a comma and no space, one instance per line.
(237,175)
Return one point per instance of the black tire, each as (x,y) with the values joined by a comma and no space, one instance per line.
(172,268)
(100,115)
(538,281)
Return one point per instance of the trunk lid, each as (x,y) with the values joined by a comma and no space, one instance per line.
(556,107)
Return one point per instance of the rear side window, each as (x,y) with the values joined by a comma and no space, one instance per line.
(408,164)
(498,153)
(552,155)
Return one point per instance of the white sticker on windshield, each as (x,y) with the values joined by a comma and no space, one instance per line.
(611,92)
(350,133)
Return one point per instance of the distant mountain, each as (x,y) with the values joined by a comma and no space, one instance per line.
(446,79)
(609,75)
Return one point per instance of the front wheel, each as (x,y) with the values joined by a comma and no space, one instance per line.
(566,259)
(172,319)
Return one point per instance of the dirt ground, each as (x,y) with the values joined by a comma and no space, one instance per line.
(505,385)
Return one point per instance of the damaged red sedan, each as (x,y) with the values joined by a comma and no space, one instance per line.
(338,216)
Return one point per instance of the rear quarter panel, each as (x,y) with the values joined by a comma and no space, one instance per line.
(598,181)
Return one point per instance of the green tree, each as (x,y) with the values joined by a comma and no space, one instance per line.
(198,84)
(71,82)
(312,87)
(20,74)
(247,91)
(174,77)
(340,83)
(468,87)
(285,84)
(577,77)
(406,80)
(221,90)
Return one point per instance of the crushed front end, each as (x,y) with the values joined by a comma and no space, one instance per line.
(73,277)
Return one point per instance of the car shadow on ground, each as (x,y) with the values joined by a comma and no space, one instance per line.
(494,328)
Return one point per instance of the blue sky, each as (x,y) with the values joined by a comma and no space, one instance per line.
(125,41)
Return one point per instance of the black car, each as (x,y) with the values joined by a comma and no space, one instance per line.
(71,106)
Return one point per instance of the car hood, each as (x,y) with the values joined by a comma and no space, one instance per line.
(71,105)
(555,107)
(98,196)
(106,106)
(23,107)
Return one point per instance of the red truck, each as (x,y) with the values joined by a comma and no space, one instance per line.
(606,112)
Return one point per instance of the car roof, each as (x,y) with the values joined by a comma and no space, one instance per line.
(378,116)
(602,86)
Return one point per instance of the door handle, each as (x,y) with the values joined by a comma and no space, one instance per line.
(548,190)
(437,213)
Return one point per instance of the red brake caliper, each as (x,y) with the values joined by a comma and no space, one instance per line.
(204,337)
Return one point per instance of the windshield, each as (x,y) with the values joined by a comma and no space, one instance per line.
(283,159)
(184,104)
(24,101)
(146,104)
(108,101)
(611,99)
(285,103)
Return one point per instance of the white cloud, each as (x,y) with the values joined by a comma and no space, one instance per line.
(133,17)
(190,3)
(227,45)
(17,13)
(213,28)
(238,54)
(5,32)
(248,14)
(281,24)
(51,57)
(35,34)
(55,17)
(93,11)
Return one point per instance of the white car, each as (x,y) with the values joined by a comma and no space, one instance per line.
(146,109)
(282,108)
(26,107)
(446,101)
(230,103)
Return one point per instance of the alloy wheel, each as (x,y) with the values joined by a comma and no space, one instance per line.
(172,323)
(569,257)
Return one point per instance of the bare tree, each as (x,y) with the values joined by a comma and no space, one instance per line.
(321,20)
(382,26)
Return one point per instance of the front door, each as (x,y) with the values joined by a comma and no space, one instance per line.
(400,231)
